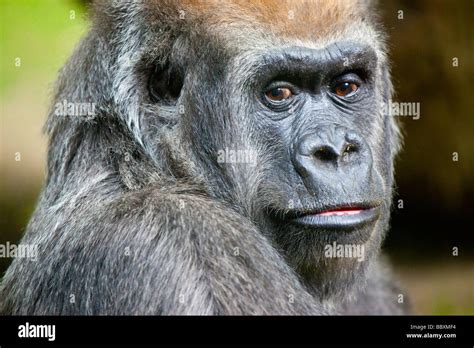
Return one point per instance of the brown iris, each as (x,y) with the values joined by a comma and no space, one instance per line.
(345,88)
(279,94)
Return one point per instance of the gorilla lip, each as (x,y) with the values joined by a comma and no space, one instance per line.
(343,217)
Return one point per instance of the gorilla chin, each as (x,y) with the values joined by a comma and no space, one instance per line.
(332,245)
(331,249)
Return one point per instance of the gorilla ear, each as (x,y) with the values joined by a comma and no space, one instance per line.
(165,85)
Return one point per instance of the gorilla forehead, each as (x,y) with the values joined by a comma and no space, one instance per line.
(287,16)
(243,23)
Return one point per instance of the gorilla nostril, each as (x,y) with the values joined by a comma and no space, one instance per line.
(351,148)
(326,154)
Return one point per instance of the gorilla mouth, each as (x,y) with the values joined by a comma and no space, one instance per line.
(343,217)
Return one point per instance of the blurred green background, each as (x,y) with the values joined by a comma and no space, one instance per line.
(437,192)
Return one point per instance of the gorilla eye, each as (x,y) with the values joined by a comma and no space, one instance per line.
(279,94)
(346,88)
(346,85)
(165,85)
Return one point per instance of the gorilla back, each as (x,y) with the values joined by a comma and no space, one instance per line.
(238,162)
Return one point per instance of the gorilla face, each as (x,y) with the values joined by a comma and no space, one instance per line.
(319,114)
(293,137)
(320,118)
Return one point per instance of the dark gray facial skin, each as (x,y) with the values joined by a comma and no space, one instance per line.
(143,214)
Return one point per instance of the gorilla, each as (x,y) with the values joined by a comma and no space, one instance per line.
(237,161)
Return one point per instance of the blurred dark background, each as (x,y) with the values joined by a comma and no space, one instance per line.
(437,191)
(425,38)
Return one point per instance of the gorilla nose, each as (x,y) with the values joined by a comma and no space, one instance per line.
(331,152)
